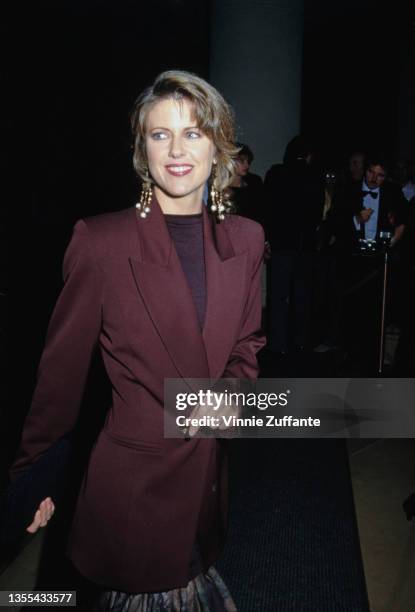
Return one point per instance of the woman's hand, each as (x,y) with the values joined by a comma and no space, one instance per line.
(42,515)
(219,418)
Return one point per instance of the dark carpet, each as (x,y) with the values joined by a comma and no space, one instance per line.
(292,543)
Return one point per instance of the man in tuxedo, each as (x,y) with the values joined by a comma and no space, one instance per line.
(380,206)
(363,212)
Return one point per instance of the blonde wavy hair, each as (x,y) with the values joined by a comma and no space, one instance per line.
(212,113)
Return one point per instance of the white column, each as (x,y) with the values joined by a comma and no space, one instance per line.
(256,63)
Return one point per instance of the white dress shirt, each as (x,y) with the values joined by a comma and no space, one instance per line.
(371,226)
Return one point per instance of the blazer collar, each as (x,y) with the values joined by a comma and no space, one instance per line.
(163,287)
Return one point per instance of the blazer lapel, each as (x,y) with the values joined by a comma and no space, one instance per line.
(226,282)
(166,294)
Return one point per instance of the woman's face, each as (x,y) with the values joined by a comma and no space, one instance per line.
(242,165)
(179,155)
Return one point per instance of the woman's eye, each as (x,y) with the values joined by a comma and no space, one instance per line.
(192,134)
(158,135)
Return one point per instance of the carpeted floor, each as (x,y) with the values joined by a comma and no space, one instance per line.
(292,543)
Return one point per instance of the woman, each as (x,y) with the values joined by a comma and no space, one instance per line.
(167,289)
(247,188)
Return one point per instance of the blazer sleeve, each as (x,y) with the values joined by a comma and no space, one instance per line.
(72,335)
(242,362)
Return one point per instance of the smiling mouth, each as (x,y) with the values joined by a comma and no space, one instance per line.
(179,170)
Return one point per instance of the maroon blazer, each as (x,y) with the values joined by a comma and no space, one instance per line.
(145,499)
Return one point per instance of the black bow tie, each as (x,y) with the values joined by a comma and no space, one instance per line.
(374,194)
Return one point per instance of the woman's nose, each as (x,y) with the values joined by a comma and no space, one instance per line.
(176,147)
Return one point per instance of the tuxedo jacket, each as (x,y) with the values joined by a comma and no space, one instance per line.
(348,202)
(145,499)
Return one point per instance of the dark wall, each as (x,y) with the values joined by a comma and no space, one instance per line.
(351,72)
(85,63)
(406,145)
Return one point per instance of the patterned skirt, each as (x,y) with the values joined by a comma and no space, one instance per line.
(205,593)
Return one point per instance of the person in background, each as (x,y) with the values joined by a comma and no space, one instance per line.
(294,200)
(247,188)
(380,206)
(356,166)
(325,301)
(353,170)
(362,213)
(403,175)
(364,209)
